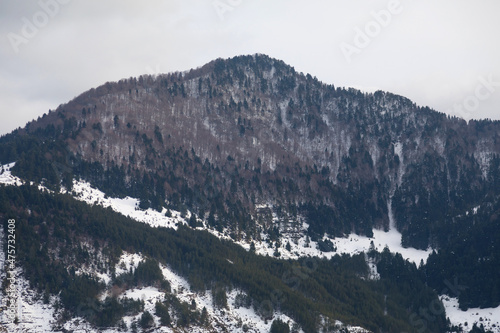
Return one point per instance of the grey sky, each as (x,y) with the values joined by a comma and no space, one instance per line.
(441,54)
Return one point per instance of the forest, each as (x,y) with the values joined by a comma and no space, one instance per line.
(336,158)
(51,229)
(465,243)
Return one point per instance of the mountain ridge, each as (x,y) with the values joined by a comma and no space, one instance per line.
(251,147)
(256,113)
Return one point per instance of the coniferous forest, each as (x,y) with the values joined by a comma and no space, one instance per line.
(224,139)
(304,289)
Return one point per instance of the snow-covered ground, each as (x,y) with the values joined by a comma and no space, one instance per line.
(230,319)
(353,244)
(299,247)
(33,315)
(37,317)
(6,176)
(127,206)
(490,317)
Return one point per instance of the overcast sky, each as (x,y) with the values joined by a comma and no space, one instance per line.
(442,54)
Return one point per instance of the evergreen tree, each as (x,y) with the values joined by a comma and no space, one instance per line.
(279,326)
(146,320)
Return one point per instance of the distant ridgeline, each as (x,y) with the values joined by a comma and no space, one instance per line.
(223,139)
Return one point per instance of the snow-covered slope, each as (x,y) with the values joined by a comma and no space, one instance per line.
(127,206)
(299,247)
(37,316)
(6,176)
(353,244)
(489,317)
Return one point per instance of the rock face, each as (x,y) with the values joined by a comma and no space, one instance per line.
(234,134)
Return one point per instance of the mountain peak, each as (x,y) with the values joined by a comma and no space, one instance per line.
(271,135)
(269,158)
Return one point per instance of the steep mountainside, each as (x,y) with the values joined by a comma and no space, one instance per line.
(246,131)
(258,153)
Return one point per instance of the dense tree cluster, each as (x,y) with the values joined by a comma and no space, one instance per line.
(303,289)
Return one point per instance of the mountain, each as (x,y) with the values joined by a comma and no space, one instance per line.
(248,148)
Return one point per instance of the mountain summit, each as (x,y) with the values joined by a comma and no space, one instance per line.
(250,130)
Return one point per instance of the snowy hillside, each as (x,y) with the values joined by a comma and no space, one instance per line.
(299,246)
(128,206)
(38,315)
(489,317)
(6,176)
(233,319)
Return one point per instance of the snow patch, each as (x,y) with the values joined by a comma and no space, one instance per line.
(489,317)
(398,150)
(127,206)
(6,176)
(128,262)
(32,314)
(372,268)
(234,318)
(301,246)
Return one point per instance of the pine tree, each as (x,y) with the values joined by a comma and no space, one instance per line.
(146,320)
(279,326)
(204,317)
